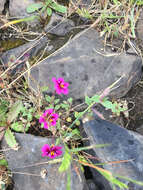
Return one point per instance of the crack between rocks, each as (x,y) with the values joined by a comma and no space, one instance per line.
(6,7)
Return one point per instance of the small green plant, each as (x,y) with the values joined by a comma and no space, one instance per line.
(62,120)
(57,118)
(4,173)
(16,118)
(113,18)
(45,7)
(48,6)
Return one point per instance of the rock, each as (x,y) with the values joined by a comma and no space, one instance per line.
(140,130)
(30,48)
(139,27)
(92,185)
(2,3)
(18,9)
(86,70)
(30,154)
(59,25)
(124,145)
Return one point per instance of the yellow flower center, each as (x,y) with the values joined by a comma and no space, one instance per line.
(50,120)
(52,153)
(61,85)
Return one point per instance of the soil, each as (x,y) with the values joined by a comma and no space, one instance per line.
(135,103)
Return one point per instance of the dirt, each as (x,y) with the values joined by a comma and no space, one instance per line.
(135,104)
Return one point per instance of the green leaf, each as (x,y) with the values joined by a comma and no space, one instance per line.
(89,147)
(57,107)
(70,100)
(10,139)
(76,114)
(56,101)
(49,11)
(37,116)
(95,98)
(129,179)
(113,180)
(29,117)
(34,7)
(58,140)
(48,2)
(57,7)
(140,3)
(3,120)
(3,162)
(44,88)
(3,107)
(65,106)
(42,125)
(49,107)
(116,2)
(77,123)
(69,180)
(84,13)
(88,101)
(17,126)
(14,111)
(107,104)
(65,162)
(48,98)
(75,132)
(69,119)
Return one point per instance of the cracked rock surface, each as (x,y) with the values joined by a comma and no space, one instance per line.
(83,64)
(30,154)
(124,145)
(2,3)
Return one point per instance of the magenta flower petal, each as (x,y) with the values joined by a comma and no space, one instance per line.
(57,150)
(53,123)
(52,155)
(61,86)
(55,116)
(48,118)
(45,150)
(41,119)
(52,151)
(45,125)
(65,91)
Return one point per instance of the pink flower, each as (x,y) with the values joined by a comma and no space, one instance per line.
(48,118)
(60,85)
(52,151)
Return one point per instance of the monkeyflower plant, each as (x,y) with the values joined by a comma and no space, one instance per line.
(49,119)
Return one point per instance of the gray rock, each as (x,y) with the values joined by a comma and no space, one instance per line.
(59,25)
(32,48)
(2,3)
(139,27)
(18,9)
(140,129)
(125,145)
(87,71)
(92,185)
(30,154)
